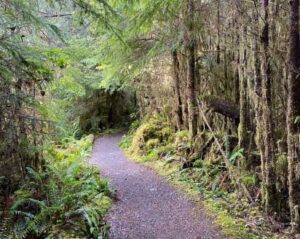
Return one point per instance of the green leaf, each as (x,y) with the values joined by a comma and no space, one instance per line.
(235,154)
(297,120)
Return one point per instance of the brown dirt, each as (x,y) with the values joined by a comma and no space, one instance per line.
(147,206)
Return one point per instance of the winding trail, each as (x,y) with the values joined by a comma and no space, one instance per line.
(147,206)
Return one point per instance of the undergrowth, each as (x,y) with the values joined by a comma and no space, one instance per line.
(67,199)
(202,175)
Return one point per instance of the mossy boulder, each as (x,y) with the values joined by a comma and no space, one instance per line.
(153,133)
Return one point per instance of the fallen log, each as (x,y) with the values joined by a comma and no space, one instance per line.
(223,107)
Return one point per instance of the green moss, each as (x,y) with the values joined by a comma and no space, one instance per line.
(151,134)
(127,139)
(152,143)
(151,156)
(249,180)
(232,227)
(166,149)
(126,142)
(134,126)
(181,136)
(281,163)
(166,134)
(103,203)
(281,167)
(198,163)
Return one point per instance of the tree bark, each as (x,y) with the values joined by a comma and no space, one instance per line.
(257,94)
(293,112)
(178,99)
(269,180)
(190,45)
(218,33)
(244,123)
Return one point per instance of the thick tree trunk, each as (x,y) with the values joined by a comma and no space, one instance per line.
(183,87)
(190,45)
(257,94)
(269,179)
(293,112)
(179,117)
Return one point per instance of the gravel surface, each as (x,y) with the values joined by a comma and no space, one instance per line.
(147,206)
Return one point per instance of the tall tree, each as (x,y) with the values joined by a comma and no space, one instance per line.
(269,187)
(294,112)
(190,45)
(177,89)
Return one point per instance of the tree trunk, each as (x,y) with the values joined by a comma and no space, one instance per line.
(257,95)
(244,124)
(269,180)
(293,112)
(218,33)
(190,45)
(179,118)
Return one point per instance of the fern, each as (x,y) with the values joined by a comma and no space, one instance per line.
(67,196)
(235,154)
(297,120)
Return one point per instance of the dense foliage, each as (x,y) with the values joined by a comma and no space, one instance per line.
(47,189)
(22,74)
(66,200)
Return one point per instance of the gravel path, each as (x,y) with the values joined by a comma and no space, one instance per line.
(147,206)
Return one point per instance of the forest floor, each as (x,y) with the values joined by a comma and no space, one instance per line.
(147,206)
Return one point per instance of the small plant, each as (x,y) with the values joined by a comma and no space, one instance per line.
(235,154)
(126,141)
(297,120)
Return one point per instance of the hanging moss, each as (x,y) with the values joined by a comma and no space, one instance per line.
(281,167)
(281,164)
